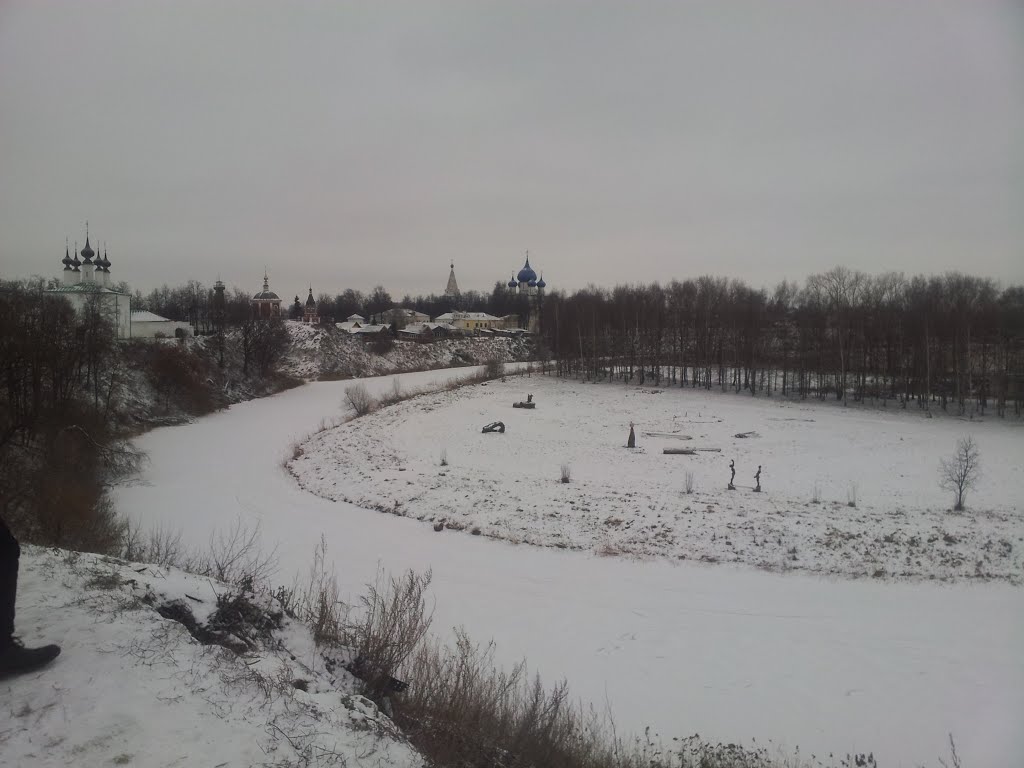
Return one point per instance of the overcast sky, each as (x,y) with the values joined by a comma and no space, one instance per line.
(349,144)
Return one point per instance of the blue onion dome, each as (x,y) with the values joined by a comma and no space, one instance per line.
(526,274)
(512,283)
(106,261)
(66,261)
(87,252)
(532,284)
(541,283)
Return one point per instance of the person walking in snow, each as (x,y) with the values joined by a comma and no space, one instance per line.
(15,658)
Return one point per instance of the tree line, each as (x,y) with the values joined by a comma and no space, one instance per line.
(953,340)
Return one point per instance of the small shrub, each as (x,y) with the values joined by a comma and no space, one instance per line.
(444,457)
(162,547)
(234,557)
(389,626)
(395,395)
(295,451)
(816,494)
(566,473)
(359,399)
(382,344)
(851,495)
(689,482)
(493,368)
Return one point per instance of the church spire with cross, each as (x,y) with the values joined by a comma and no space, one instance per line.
(452,290)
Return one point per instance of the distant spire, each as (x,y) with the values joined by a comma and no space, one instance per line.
(66,261)
(452,289)
(75,262)
(266,280)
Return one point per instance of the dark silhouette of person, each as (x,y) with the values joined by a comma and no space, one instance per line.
(15,658)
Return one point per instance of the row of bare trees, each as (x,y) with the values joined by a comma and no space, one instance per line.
(953,340)
(60,370)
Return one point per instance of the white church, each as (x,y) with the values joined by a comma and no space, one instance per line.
(88,280)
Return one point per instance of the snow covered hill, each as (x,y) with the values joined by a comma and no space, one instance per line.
(133,686)
(325,352)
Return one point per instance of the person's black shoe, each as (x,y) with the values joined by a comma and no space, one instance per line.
(16,659)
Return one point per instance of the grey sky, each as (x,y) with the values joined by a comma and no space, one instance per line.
(349,144)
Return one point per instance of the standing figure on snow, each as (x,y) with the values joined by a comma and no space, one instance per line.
(757,477)
(732,466)
(15,658)
(631,442)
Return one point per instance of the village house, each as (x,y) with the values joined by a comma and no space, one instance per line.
(426,332)
(400,316)
(148,325)
(469,322)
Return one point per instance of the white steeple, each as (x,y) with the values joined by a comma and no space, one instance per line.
(452,291)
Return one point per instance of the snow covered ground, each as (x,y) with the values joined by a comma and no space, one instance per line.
(730,652)
(134,688)
(635,501)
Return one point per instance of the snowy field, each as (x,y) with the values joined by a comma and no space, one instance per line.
(730,652)
(816,459)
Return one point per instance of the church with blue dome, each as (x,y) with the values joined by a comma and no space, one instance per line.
(527,283)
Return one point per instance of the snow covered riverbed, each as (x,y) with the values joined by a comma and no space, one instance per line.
(731,653)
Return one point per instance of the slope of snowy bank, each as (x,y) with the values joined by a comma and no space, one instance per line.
(132,687)
(636,502)
(325,351)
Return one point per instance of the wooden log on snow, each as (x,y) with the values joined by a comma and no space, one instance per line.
(524,404)
(680,451)
(673,435)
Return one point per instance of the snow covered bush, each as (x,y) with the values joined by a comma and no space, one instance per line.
(566,473)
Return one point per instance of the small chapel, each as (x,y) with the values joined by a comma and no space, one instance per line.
(310,315)
(266,303)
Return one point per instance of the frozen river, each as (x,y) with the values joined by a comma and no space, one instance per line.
(729,653)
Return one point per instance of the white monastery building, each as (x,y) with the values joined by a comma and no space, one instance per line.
(87,281)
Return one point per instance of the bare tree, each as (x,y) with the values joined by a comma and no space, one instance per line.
(360,399)
(962,471)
